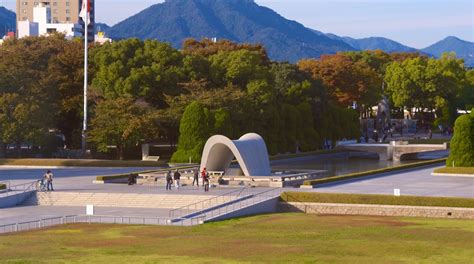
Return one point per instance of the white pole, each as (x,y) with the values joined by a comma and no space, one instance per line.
(84,124)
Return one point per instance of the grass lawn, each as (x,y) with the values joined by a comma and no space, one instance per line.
(80,163)
(279,238)
(456,170)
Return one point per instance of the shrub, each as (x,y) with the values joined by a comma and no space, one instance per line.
(462,144)
(194,130)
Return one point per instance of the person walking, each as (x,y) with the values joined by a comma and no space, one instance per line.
(196,177)
(205,179)
(49,179)
(169,180)
(177,176)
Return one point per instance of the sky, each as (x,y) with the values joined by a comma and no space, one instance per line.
(416,23)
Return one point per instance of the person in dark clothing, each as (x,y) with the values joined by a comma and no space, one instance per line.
(196,178)
(205,179)
(169,180)
(49,179)
(176,177)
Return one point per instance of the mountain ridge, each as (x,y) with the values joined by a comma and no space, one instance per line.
(236,20)
(463,49)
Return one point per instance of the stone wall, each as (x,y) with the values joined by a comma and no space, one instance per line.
(377,210)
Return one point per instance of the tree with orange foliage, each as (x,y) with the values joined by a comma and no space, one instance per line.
(346,80)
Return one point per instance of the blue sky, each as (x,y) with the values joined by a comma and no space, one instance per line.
(416,23)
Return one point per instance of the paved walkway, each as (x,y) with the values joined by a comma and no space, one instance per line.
(417,182)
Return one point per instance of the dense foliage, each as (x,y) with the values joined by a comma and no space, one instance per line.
(462,144)
(139,91)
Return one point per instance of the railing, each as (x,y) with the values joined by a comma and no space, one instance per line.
(97,219)
(19,188)
(227,197)
(252,200)
(36,224)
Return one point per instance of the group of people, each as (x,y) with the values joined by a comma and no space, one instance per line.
(47,180)
(176,176)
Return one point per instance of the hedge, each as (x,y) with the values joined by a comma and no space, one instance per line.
(313,197)
(80,163)
(456,170)
(371,172)
(3,186)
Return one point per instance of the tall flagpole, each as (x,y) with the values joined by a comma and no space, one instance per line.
(84,124)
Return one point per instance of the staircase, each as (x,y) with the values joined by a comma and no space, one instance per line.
(124,200)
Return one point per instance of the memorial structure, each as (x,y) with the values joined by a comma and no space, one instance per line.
(250,152)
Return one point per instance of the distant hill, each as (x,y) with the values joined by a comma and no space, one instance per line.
(463,49)
(7,21)
(374,43)
(101,27)
(237,20)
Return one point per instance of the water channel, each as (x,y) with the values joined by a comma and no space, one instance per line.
(344,163)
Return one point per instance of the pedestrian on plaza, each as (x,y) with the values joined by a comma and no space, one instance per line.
(169,180)
(205,179)
(430,134)
(177,176)
(196,177)
(49,179)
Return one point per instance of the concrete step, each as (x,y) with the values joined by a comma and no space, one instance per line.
(165,201)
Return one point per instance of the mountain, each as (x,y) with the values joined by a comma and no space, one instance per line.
(7,21)
(372,43)
(238,20)
(101,27)
(463,49)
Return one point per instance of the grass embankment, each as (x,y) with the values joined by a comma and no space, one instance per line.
(80,163)
(280,238)
(372,172)
(343,198)
(456,170)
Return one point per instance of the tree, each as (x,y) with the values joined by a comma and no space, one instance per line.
(194,131)
(347,81)
(462,143)
(28,100)
(149,70)
(427,84)
(122,123)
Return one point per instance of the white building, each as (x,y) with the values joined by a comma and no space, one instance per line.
(42,24)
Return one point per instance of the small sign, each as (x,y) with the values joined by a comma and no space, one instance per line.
(396,192)
(89,209)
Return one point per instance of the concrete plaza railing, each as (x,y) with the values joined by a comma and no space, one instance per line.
(16,194)
(96,219)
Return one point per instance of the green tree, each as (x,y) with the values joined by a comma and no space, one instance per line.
(194,131)
(122,123)
(137,69)
(462,143)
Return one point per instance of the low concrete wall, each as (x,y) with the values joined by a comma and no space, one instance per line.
(15,199)
(377,210)
(266,207)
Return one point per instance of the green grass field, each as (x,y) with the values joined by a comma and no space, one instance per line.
(279,238)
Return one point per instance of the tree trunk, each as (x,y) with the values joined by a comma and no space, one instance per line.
(3,150)
(120,152)
(18,150)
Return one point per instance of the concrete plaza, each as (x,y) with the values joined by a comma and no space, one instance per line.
(418,182)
